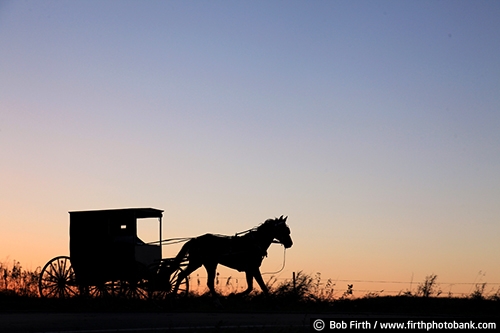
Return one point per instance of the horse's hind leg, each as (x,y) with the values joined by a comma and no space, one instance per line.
(249,278)
(211,270)
(191,267)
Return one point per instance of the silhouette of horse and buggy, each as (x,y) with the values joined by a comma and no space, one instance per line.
(107,258)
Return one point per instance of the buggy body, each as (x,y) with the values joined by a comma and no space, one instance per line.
(104,245)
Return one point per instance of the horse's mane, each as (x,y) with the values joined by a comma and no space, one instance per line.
(270,223)
(260,227)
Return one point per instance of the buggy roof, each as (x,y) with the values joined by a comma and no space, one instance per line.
(138,213)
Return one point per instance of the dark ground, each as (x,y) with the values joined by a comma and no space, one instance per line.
(225,314)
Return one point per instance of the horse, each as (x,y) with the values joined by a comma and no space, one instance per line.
(243,252)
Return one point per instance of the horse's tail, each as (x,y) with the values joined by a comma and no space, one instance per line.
(175,263)
(183,253)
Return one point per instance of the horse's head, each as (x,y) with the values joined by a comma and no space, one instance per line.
(281,231)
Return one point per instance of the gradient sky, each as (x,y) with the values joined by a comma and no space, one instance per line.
(374,125)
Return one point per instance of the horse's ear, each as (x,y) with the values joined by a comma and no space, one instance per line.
(281,220)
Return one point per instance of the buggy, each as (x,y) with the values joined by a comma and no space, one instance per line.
(107,258)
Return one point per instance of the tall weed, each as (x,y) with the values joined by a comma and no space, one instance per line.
(14,279)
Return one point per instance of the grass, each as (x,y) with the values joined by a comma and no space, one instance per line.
(303,293)
(17,281)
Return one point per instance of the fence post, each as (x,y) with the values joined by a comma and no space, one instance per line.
(293,280)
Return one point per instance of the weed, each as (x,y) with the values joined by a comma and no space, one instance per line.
(478,292)
(348,293)
(300,287)
(429,287)
(373,294)
(495,296)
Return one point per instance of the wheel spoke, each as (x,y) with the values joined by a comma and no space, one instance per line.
(70,291)
(52,290)
(64,271)
(52,270)
(62,267)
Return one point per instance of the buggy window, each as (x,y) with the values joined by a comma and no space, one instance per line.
(147,230)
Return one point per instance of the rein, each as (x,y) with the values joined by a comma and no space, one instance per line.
(275,241)
(282,266)
(171,241)
(185,239)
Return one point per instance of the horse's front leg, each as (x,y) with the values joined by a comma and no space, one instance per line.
(260,281)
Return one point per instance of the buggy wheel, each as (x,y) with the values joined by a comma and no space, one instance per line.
(183,285)
(165,289)
(107,289)
(57,279)
(134,289)
(94,291)
(137,285)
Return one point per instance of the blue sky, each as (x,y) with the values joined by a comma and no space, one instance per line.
(374,125)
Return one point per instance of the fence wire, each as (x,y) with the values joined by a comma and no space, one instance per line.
(228,284)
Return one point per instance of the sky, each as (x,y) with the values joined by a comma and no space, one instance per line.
(373,125)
